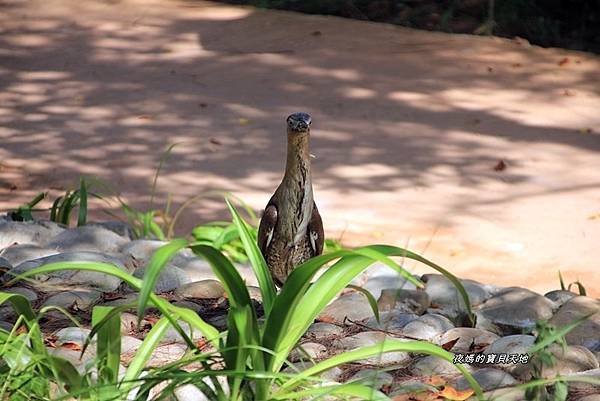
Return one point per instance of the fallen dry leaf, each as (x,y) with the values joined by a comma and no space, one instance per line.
(435,381)
(594,217)
(585,130)
(243,121)
(563,62)
(450,393)
(448,346)
(72,346)
(500,166)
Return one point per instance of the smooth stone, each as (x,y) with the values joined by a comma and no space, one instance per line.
(7,313)
(100,281)
(129,344)
(166,353)
(27,232)
(588,332)
(172,335)
(205,289)
(118,227)
(426,327)
(127,298)
(189,392)
(142,250)
(88,238)
(31,295)
(199,309)
(5,264)
(432,365)
(442,292)
(18,254)
(218,321)
(129,323)
(6,326)
(393,321)
(309,351)
(255,293)
(513,310)
(593,374)
(488,379)
(82,364)
(198,269)
(76,335)
(373,378)
(353,306)
(169,279)
(467,337)
(513,344)
(560,296)
(321,330)
(502,394)
(380,277)
(367,338)
(412,301)
(575,358)
(411,386)
(80,299)
(333,375)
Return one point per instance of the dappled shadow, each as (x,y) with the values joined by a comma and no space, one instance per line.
(103,88)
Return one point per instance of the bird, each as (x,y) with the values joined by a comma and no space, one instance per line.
(291,230)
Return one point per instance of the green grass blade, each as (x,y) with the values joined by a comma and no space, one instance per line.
(228,275)
(55,208)
(562,282)
(560,333)
(162,305)
(387,249)
(143,354)
(164,157)
(388,345)
(370,299)
(108,344)
(157,262)
(263,276)
(83,203)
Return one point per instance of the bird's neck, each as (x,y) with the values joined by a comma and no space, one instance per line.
(298,156)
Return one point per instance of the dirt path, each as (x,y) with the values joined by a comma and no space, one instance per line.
(408,125)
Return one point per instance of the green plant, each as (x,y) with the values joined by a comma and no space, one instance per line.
(24,212)
(251,354)
(62,207)
(543,356)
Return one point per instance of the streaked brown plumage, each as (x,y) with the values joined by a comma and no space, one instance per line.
(291,230)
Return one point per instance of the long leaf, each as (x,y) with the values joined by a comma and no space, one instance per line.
(370,298)
(108,344)
(83,203)
(388,345)
(265,282)
(157,262)
(162,305)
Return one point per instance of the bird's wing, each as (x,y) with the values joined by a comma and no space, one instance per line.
(266,228)
(315,231)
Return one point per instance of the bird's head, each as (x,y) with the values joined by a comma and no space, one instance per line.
(298,122)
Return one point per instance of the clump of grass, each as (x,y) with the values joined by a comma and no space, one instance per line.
(62,207)
(250,355)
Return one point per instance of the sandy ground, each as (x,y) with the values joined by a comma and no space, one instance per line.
(408,126)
